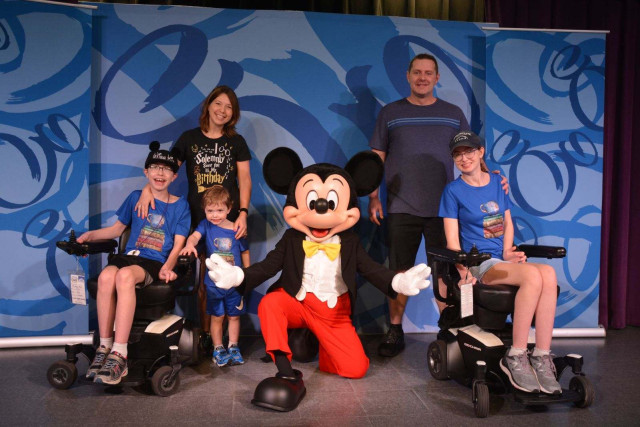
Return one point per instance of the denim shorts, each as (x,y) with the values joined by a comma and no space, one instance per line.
(479,270)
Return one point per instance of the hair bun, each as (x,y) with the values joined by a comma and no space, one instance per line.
(154,146)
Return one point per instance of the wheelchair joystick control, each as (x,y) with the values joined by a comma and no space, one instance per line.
(72,236)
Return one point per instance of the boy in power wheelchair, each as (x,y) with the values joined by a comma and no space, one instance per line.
(151,254)
(476,211)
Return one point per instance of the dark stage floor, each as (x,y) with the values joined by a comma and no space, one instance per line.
(398,391)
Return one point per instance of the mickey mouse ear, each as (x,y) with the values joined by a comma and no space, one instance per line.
(366,169)
(280,167)
(154,146)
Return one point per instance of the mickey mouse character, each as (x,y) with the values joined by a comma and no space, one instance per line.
(318,257)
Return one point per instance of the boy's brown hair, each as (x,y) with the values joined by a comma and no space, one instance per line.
(216,195)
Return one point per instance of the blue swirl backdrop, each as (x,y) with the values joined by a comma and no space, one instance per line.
(545,113)
(45,101)
(301,83)
(313,82)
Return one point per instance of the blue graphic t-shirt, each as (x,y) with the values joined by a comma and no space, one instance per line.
(154,235)
(223,242)
(480,213)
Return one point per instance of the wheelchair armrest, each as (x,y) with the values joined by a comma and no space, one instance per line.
(457,257)
(537,251)
(88,248)
(446,255)
(185,260)
(184,266)
(438,256)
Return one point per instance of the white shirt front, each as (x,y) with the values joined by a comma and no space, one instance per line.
(323,277)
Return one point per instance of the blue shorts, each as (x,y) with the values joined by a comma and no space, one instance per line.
(480,270)
(221,302)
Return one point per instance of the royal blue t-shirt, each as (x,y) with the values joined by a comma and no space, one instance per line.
(223,242)
(480,213)
(154,235)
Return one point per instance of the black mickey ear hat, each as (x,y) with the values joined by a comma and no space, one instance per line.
(161,156)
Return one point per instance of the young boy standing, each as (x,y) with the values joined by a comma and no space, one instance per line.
(220,239)
(151,253)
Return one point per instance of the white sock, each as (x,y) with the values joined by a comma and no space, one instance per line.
(513,351)
(231,344)
(120,348)
(106,342)
(537,352)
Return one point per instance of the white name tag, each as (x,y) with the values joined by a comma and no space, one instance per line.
(78,291)
(466,300)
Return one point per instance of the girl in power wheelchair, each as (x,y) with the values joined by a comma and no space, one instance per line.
(476,211)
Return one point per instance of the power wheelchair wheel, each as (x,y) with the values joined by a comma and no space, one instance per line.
(161,382)
(481,400)
(583,387)
(437,357)
(62,374)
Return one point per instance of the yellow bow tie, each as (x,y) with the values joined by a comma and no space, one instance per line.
(332,250)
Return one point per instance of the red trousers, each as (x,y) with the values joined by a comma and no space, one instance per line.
(341,351)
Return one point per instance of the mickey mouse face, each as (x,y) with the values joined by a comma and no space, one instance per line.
(322,199)
(322,207)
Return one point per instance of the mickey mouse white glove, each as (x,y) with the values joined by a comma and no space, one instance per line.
(411,281)
(223,274)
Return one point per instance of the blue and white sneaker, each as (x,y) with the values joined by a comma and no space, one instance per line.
(113,370)
(221,357)
(96,365)
(236,357)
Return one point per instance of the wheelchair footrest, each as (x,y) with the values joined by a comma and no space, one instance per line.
(533,399)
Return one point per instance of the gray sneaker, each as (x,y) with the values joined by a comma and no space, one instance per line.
(546,373)
(520,372)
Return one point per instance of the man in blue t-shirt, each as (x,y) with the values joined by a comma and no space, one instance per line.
(412,138)
(151,254)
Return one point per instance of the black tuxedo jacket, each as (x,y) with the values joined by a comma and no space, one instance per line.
(288,257)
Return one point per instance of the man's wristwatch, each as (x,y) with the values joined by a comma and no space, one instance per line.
(245,210)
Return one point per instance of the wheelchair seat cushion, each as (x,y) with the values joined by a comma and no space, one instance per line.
(496,298)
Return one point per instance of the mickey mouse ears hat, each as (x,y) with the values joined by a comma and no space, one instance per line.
(465,139)
(161,156)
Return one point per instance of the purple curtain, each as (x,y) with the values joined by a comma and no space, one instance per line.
(619,274)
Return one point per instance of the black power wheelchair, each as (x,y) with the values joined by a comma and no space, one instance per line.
(469,349)
(160,344)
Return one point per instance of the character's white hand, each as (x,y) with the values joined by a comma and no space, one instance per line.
(224,275)
(411,281)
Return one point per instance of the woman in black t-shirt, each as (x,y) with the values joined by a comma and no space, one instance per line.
(215,154)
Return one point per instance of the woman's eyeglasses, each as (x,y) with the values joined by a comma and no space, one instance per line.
(467,154)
